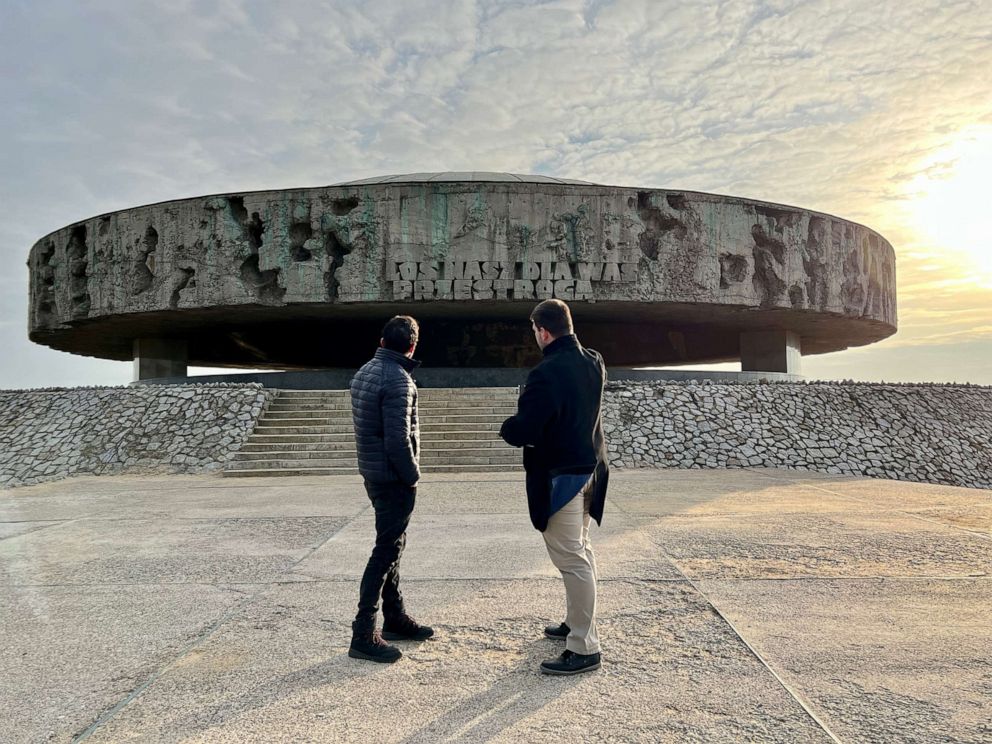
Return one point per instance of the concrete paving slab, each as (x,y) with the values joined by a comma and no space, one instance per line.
(17,506)
(899,494)
(466,546)
(974,518)
(884,660)
(722,479)
(673,671)
(69,653)
(267,501)
(804,476)
(793,545)
(92,496)
(643,499)
(97,551)
(15,529)
(503,496)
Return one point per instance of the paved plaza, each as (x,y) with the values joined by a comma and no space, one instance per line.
(735,605)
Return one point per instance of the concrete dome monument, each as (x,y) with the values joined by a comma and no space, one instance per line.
(304,278)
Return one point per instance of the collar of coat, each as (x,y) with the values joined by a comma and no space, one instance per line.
(394,356)
(561,344)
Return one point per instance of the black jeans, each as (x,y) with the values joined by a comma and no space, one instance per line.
(393,504)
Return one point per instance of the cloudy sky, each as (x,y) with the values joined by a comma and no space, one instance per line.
(877,112)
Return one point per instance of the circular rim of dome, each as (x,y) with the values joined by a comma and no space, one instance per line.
(460,176)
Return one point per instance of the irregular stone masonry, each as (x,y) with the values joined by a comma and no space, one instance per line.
(50,434)
(925,433)
(921,432)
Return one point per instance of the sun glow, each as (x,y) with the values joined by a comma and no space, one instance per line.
(949,203)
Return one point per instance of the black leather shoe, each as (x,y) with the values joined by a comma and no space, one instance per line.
(405,628)
(557,631)
(367,643)
(571,663)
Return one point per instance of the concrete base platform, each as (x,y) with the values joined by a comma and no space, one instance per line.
(741,605)
(457,377)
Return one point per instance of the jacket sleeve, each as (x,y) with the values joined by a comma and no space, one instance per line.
(397,400)
(535,408)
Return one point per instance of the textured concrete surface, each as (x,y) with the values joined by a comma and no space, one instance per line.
(656,276)
(755,604)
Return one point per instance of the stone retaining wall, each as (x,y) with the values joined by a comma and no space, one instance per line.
(927,433)
(51,434)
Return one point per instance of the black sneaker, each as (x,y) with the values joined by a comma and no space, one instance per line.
(367,644)
(557,631)
(571,663)
(405,628)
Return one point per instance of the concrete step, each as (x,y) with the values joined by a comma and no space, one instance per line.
(307,428)
(330,397)
(302,404)
(343,415)
(271,434)
(280,472)
(292,445)
(436,435)
(299,438)
(495,409)
(263,472)
(512,459)
(316,406)
(457,426)
(281,464)
(311,433)
(428,445)
(472,469)
(265,426)
(464,418)
(424,393)
(312,393)
(279,453)
(468,392)
(428,432)
(275,460)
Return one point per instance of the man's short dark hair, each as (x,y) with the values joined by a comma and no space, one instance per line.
(400,333)
(554,317)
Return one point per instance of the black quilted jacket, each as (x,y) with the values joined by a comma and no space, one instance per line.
(384,411)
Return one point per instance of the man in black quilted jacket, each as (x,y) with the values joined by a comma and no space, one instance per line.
(387,437)
(559,425)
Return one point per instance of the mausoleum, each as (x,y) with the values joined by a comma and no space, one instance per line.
(304,278)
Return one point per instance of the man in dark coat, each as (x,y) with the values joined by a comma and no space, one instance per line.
(559,425)
(387,437)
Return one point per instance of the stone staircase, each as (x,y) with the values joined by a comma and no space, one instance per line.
(309,432)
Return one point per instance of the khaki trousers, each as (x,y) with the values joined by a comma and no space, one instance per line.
(567,539)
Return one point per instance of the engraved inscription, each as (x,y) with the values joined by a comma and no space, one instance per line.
(504,280)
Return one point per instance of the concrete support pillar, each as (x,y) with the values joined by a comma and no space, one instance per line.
(771,351)
(159,357)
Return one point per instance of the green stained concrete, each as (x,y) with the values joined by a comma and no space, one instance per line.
(440,236)
(705,266)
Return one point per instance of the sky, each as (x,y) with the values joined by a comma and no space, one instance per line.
(875,112)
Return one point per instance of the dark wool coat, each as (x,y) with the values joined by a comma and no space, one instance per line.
(384,411)
(559,425)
